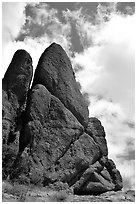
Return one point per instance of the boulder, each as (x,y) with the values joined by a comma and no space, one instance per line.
(97,132)
(92,182)
(54,71)
(115,174)
(49,130)
(82,153)
(100,177)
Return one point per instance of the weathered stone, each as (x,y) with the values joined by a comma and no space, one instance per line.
(15,85)
(105,174)
(38,104)
(92,182)
(55,72)
(77,159)
(115,174)
(96,130)
(50,128)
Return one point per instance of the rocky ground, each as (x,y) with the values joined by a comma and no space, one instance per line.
(17,193)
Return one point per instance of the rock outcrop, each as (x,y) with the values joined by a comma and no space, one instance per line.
(58,143)
(15,86)
(55,72)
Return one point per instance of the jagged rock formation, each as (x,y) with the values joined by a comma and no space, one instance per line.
(57,140)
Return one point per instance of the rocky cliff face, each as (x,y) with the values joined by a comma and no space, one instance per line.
(48,137)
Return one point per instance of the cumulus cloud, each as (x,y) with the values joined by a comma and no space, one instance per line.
(11,25)
(128,175)
(109,58)
(13,20)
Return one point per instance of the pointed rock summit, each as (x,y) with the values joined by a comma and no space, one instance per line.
(48,138)
(15,86)
(54,71)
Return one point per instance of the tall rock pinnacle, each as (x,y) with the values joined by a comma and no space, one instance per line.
(15,86)
(55,72)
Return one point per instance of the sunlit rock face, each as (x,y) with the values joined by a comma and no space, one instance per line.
(48,136)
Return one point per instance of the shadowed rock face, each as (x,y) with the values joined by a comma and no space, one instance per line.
(15,86)
(57,142)
(55,72)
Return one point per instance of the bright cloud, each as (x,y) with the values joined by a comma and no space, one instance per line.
(109,60)
(11,25)
(13,20)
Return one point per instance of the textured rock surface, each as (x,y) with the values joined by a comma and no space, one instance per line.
(96,130)
(55,72)
(50,127)
(115,174)
(15,86)
(92,181)
(56,144)
(77,159)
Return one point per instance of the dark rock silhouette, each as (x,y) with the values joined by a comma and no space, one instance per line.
(57,142)
(15,85)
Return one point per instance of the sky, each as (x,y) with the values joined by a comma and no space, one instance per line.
(99,38)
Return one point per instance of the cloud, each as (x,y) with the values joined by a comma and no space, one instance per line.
(43,22)
(110,59)
(11,26)
(13,20)
(127,168)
